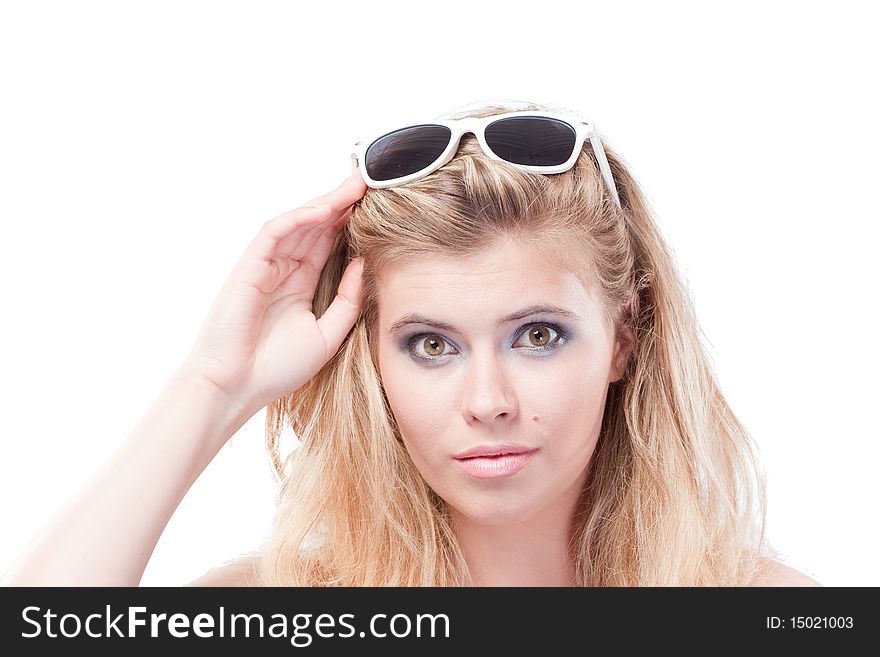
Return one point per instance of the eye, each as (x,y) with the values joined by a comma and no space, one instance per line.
(433,345)
(541,336)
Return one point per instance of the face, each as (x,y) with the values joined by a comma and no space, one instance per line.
(467,360)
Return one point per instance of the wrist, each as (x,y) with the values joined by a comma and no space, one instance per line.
(228,412)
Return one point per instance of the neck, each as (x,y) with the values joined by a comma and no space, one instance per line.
(532,552)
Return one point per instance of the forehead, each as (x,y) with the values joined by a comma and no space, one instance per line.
(493,281)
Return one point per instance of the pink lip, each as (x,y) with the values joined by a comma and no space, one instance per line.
(495,467)
(494,450)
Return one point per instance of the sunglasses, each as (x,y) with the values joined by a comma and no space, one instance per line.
(542,142)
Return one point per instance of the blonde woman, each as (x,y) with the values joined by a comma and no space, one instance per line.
(495,372)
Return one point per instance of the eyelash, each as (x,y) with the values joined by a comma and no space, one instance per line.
(560,339)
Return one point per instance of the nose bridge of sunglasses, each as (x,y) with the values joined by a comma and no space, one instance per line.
(474,126)
(457,131)
(470,125)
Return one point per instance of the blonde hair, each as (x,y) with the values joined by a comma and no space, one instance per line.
(674,495)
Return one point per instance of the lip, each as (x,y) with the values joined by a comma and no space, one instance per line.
(495,450)
(496,467)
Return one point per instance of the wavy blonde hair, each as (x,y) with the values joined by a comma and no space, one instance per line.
(674,495)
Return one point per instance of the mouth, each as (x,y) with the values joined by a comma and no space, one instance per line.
(495,466)
(494,451)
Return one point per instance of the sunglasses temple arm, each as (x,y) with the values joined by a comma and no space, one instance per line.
(604,167)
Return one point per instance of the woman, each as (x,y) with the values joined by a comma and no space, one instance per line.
(495,373)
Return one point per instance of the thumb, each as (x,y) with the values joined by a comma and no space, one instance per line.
(341,315)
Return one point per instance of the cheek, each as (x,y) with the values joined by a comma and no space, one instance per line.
(566,392)
(420,411)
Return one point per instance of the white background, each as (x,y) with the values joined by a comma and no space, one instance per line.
(143,145)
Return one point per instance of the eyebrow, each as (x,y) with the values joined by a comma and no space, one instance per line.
(414,318)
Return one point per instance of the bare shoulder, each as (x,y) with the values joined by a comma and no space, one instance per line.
(776,573)
(237,572)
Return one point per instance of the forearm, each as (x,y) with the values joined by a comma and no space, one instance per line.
(105,534)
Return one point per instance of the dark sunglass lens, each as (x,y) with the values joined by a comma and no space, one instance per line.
(405,151)
(531,140)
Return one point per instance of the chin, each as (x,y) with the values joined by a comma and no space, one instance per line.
(494,512)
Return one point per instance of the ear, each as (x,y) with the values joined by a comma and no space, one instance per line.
(623,347)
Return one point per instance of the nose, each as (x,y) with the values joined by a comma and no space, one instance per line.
(487,393)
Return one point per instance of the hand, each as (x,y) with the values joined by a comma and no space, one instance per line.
(261,340)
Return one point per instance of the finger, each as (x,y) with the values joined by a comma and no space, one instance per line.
(269,257)
(292,225)
(302,246)
(269,261)
(312,252)
(316,248)
(298,245)
(348,191)
(340,316)
(284,233)
(354,180)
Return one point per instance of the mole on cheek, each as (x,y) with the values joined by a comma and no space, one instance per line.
(535,418)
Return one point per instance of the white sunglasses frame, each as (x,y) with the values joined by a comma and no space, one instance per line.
(477,125)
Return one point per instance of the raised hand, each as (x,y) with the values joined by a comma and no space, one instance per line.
(260,340)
